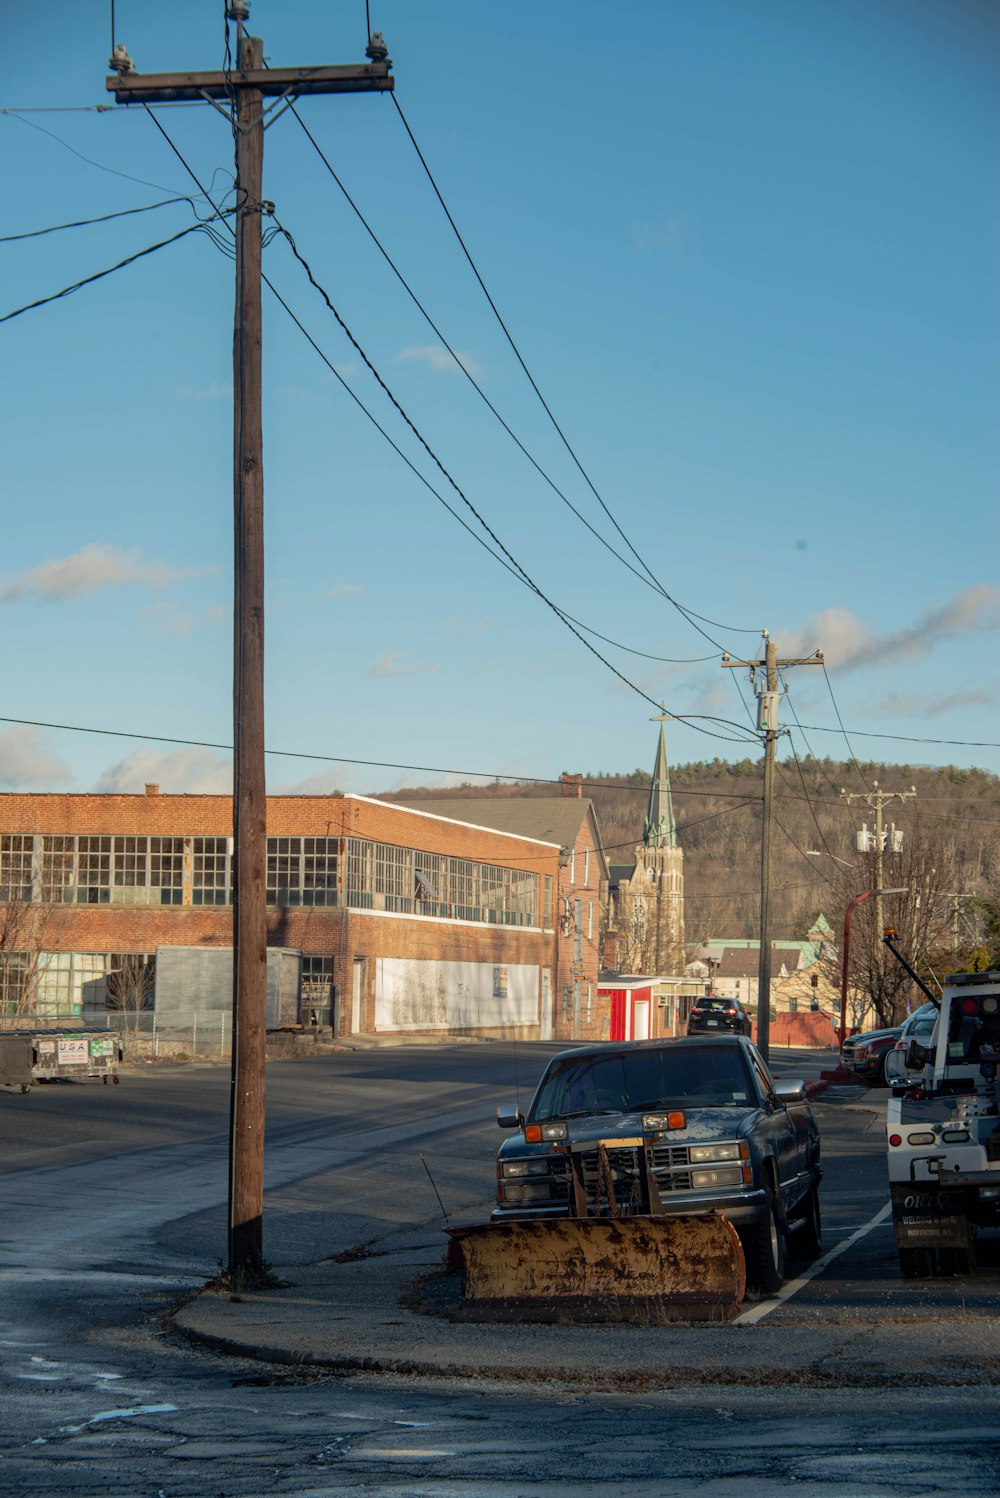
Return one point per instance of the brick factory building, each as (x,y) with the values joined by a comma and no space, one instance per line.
(407,919)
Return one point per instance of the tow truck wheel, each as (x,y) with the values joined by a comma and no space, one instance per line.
(116,1079)
(916,1263)
(764,1251)
(952,1261)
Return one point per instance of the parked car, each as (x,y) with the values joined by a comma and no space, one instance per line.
(713,1013)
(718,1132)
(865,1055)
(919,1026)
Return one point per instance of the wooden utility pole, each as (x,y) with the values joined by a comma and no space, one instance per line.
(245,87)
(246,1118)
(768,698)
(876,799)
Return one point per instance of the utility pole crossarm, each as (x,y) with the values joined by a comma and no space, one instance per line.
(816,659)
(166,88)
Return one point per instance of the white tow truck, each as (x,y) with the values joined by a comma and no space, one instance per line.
(944,1132)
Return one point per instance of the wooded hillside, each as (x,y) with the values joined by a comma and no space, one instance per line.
(951,840)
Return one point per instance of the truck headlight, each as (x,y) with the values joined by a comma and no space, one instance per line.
(525,1168)
(526,1191)
(703,1154)
(730,1176)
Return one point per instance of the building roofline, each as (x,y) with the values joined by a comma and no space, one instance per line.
(517,837)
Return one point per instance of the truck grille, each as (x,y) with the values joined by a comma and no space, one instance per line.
(671,1171)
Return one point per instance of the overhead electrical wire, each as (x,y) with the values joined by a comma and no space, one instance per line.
(854,757)
(689,614)
(688,718)
(468,503)
(644,577)
(101,167)
(199,228)
(602,785)
(376,764)
(103,218)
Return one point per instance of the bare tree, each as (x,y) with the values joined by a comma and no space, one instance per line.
(130,986)
(22,927)
(921,917)
(636,933)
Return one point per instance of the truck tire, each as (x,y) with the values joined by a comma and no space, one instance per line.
(916,1263)
(764,1251)
(806,1243)
(957,1261)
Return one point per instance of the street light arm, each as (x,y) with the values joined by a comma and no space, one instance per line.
(845,954)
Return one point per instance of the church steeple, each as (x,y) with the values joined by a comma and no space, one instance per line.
(659,830)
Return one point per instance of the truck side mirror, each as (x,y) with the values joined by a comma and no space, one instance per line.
(508,1117)
(917,1056)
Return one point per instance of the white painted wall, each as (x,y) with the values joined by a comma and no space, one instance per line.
(418,995)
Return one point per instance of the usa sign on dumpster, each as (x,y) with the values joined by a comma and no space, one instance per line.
(71,1050)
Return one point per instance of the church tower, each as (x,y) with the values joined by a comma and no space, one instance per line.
(651,900)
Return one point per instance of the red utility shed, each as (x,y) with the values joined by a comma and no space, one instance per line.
(631,1006)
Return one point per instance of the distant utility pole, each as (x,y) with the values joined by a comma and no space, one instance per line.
(768,699)
(243,89)
(876,799)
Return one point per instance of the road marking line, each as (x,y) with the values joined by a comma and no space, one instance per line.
(762,1309)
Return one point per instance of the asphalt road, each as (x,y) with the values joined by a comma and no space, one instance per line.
(114,1206)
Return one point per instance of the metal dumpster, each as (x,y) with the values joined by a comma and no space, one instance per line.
(78,1054)
(17,1061)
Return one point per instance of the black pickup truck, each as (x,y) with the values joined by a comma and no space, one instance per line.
(719,1132)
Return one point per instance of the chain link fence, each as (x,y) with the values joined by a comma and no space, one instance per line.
(202,1034)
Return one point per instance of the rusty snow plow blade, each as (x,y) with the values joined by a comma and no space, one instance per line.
(643,1269)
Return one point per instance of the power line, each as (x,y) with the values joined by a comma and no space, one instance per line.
(519,571)
(378,764)
(103,218)
(114,172)
(465,499)
(598,785)
(901,738)
(854,758)
(199,228)
(687,613)
(645,578)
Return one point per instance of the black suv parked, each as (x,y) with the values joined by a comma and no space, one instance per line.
(713,1014)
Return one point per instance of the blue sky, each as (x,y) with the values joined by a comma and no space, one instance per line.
(747,249)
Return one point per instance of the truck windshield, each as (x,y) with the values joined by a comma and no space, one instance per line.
(676,1077)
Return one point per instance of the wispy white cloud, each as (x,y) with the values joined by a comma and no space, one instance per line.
(170,619)
(848,643)
(393,664)
(437,359)
(898,705)
(343,590)
(658,234)
(27,764)
(176,771)
(89,570)
(324,783)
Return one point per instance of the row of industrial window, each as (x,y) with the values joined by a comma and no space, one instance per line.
(301,871)
(68,982)
(381,876)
